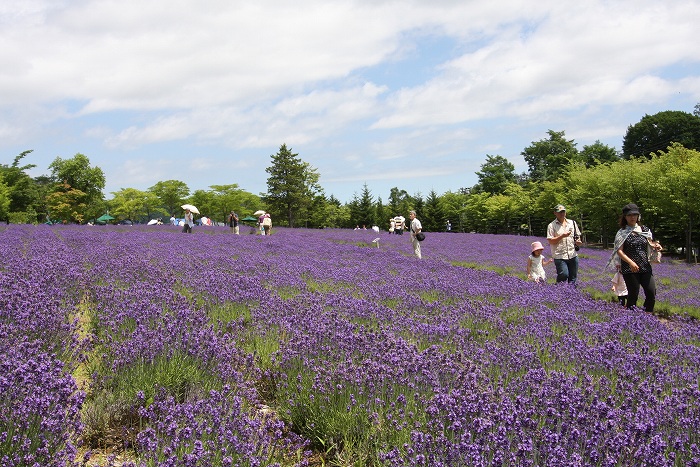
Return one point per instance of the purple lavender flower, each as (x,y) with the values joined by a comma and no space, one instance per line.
(357,349)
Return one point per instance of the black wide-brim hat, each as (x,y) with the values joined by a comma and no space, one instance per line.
(630,209)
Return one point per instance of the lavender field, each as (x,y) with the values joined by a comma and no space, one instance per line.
(318,347)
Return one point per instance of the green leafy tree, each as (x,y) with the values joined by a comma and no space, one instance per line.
(675,176)
(501,214)
(67,203)
(77,173)
(171,194)
(291,187)
(137,205)
(453,206)
(23,192)
(249,203)
(632,182)
(522,206)
(4,199)
(547,159)
(659,131)
(354,210)
(475,215)
(381,214)
(399,202)
(365,211)
(206,203)
(598,153)
(417,203)
(316,213)
(432,216)
(495,175)
(153,207)
(597,194)
(44,186)
(332,213)
(229,198)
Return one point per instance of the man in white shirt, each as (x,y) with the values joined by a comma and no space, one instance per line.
(416,227)
(564,237)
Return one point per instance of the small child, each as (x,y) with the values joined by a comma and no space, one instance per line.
(620,288)
(536,262)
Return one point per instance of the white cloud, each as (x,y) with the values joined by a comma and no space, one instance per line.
(347,81)
(577,56)
(132,172)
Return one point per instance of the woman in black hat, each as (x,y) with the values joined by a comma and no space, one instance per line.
(633,247)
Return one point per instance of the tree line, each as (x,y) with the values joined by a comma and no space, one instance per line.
(658,168)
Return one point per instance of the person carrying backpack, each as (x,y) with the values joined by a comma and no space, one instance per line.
(267,224)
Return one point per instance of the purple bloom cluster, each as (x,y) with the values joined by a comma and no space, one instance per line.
(39,399)
(39,407)
(218,430)
(394,360)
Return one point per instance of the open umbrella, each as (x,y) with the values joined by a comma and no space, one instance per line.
(153,222)
(259,213)
(104,218)
(249,219)
(190,207)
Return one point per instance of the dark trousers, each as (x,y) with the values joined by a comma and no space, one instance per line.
(567,269)
(646,281)
(186,229)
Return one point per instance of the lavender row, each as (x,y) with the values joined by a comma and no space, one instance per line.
(40,402)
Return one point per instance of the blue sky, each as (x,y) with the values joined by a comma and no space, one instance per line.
(408,94)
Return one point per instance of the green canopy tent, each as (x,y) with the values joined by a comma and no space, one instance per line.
(249,219)
(104,218)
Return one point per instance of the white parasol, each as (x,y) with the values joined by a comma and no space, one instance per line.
(259,213)
(191,208)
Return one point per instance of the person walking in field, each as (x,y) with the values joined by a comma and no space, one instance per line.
(536,262)
(415,227)
(189,222)
(260,229)
(399,225)
(564,239)
(233,223)
(634,251)
(267,224)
